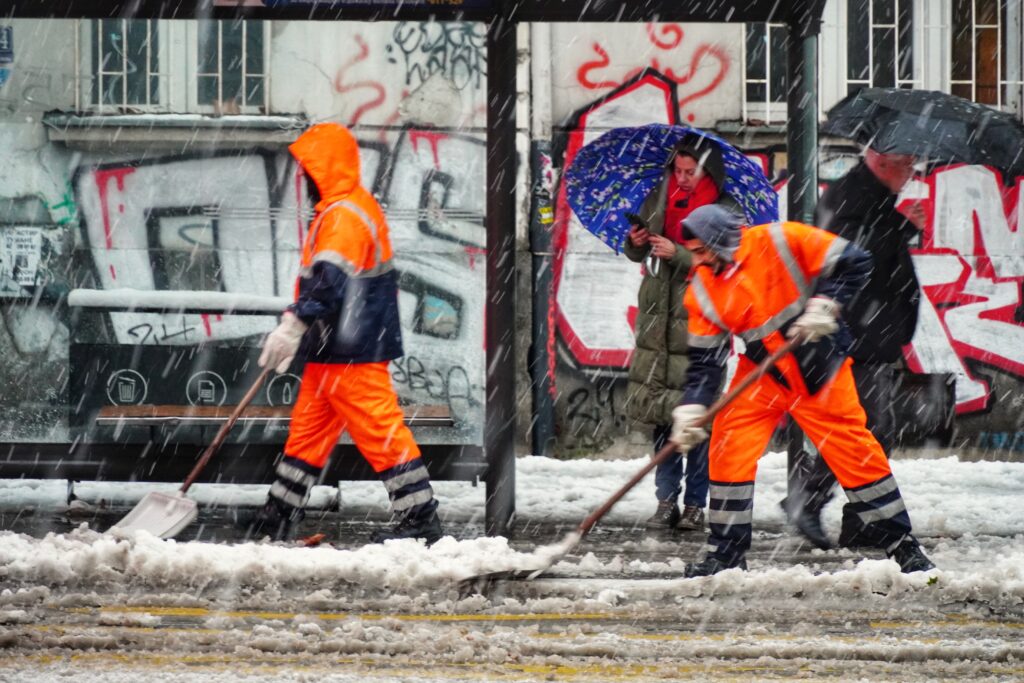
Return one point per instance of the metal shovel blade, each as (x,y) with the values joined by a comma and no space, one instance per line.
(160,514)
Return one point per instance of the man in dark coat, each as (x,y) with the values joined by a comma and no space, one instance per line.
(861,207)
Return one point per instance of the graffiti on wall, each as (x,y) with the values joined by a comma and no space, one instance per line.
(969,262)
(234,223)
(971,268)
(371,93)
(6,53)
(701,74)
(455,49)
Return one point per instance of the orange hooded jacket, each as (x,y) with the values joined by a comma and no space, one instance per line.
(347,290)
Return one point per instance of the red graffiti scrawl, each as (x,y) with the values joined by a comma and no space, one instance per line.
(706,58)
(341,87)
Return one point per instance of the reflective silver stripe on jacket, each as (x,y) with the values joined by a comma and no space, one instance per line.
(336,259)
(775,322)
(707,306)
(346,266)
(796,274)
(835,250)
(706,341)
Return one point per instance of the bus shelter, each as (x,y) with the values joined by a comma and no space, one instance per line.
(493,459)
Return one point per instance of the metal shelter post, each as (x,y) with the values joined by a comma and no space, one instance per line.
(802,149)
(499,319)
(802,111)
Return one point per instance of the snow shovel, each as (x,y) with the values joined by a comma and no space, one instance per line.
(165,515)
(549,554)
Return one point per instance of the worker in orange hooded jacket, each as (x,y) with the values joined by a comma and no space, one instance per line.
(764,284)
(344,325)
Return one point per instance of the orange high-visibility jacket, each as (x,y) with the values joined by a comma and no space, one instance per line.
(777,268)
(347,291)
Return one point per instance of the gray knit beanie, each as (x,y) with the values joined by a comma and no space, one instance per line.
(717,227)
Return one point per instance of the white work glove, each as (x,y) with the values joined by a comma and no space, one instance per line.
(280,346)
(818,320)
(684,434)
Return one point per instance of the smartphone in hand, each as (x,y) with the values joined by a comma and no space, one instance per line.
(636,220)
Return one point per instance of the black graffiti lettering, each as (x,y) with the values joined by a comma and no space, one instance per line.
(450,386)
(183,332)
(146,334)
(417,375)
(456,49)
(458,385)
(592,417)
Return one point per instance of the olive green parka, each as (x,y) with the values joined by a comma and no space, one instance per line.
(658,366)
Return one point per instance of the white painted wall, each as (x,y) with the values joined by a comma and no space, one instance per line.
(704,59)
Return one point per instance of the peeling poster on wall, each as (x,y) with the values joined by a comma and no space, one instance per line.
(6,53)
(19,259)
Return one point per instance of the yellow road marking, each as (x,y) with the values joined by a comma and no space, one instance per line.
(329,616)
(951,621)
(300,662)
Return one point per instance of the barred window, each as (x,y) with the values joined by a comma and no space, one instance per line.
(230,71)
(764,81)
(125,63)
(880,46)
(986,52)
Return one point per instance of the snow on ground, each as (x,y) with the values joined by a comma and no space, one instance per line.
(974,508)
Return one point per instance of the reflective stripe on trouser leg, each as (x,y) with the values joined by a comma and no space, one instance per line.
(879,507)
(409,489)
(730,517)
(294,480)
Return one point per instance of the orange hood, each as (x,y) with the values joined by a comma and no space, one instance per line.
(329,154)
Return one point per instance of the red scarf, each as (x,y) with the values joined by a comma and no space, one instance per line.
(680,203)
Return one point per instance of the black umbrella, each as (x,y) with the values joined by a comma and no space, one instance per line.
(931,125)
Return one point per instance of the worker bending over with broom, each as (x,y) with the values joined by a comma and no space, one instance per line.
(344,324)
(765,284)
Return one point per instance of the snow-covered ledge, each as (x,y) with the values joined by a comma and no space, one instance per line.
(177,300)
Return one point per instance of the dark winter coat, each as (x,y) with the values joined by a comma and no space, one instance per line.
(883,315)
(658,367)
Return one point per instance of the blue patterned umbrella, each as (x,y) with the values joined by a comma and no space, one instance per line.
(612,176)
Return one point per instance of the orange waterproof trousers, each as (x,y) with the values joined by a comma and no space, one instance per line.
(833,419)
(357,397)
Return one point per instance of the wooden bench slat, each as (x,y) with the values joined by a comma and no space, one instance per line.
(185,414)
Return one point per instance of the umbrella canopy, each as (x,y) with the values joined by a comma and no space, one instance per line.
(931,125)
(612,176)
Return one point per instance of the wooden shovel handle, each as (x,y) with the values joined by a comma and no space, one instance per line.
(587,524)
(225,428)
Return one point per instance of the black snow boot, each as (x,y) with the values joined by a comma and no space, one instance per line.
(426,526)
(711,565)
(665,517)
(852,532)
(910,556)
(808,523)
(276,519)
